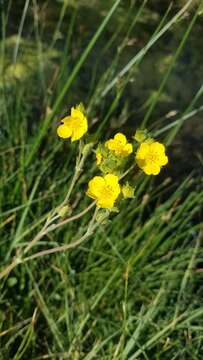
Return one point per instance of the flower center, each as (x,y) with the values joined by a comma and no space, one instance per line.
(153,156)
(107,192)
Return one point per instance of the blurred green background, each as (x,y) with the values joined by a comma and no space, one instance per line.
(134,290)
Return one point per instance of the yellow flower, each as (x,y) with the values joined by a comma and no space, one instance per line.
(73,126)
(98,158)
(119,145)
(151,157)
(105,190)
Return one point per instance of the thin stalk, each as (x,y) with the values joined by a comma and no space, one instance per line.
(69,82)
(165,78)
(126,80)
(127,171)
(92,226)
(180,122)
(145,49)
(188,272)
(20,30)
(58,25)
(46,230)
(17,260)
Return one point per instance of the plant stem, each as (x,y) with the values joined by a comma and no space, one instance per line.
(55,226)
(49,226)
(127,171)
(92,226)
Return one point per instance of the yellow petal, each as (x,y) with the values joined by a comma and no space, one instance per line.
(110,144)
(106,203)
(112,183)
(95,187)
(64,131)
(141,163)
(77,133)
(76,113)
(142,151)
(120,138)
(66,120)
(158,147)
(152,169)
(111,179)
(98,158)
(163,160)
(79,127)
(128,149)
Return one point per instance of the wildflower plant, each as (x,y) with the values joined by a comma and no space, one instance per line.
(115,158)
(128,292)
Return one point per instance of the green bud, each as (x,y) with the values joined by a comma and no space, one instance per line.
(102,216)
(87,148)
(62,211)
(140,135)
(81,107)
(12,281)
(128,191)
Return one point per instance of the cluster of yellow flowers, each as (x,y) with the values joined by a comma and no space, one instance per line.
(112,157)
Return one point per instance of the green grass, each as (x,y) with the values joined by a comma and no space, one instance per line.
(133,289)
